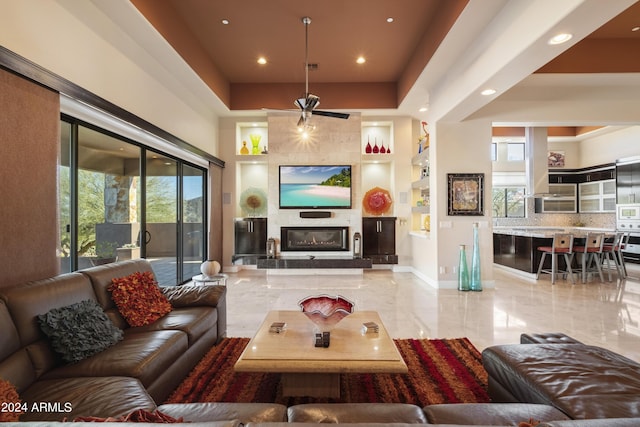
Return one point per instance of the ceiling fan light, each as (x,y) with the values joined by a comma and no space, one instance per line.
(312,102)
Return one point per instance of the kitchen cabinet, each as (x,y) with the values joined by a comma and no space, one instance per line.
(250,236)
(564,199)
(628,181)
(597,196)
(600,175)
(577,176)
(379,239)
(521,252)
(565,178)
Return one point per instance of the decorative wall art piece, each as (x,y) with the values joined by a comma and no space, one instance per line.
(253,201)
(555,159)
(465,194)
(377,201)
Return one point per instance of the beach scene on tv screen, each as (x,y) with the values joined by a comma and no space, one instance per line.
(315,186)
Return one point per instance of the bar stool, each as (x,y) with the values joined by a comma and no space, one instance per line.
(621,246)
(562,245)
(591,252)
(613,252)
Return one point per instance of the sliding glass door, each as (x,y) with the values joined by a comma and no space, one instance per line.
(120,200)
(193,210)
(161,225)
(64,199)
(108,177)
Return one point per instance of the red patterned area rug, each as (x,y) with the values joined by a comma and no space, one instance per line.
(440,371)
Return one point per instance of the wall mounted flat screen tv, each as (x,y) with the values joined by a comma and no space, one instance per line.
(315,187)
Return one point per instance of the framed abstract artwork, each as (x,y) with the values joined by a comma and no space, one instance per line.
(555,159)
(465,194)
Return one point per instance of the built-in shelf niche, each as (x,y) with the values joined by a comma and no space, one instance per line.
(377,168)
(251,169)
(244,131)
(380,133)
(420,195)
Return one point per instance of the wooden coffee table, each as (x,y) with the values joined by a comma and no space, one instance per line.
(315,371)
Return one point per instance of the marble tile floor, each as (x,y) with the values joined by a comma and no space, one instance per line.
(603,314)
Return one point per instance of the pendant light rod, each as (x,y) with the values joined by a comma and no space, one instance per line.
(306,21)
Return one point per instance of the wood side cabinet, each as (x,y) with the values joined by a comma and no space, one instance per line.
(250,237)
(379,239)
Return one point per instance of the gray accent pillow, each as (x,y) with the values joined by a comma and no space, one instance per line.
(79,330)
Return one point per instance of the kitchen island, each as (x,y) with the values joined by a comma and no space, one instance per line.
(516,247)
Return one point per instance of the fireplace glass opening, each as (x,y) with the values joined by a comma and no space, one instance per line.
(314,238)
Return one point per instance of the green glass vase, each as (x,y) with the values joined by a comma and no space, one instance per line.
(255,143)
(463,271)
(476,282)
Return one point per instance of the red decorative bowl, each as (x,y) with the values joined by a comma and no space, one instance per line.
(325,310)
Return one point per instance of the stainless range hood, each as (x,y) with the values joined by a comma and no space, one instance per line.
(536,168)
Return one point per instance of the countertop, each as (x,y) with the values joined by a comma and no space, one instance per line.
(548,232)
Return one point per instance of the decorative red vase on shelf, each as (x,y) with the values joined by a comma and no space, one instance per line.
(389,150)
(367,149)
(376,149)
(382,149)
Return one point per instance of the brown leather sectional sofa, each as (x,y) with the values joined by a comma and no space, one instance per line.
(136,373)
(583,381)
(365,414)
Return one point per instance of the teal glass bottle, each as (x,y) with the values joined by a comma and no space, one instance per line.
(476,282)
(463,271)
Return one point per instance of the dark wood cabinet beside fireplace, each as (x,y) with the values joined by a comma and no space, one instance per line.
(250,238)
(379,239)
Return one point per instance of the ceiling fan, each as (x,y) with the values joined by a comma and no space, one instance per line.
(309,101)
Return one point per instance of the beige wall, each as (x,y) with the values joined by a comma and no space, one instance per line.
(455,153)
(609,147)
(29,138)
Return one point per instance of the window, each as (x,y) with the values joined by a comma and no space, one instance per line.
(494,152)
(508,202)
(515,152)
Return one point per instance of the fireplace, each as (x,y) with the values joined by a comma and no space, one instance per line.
(314,238)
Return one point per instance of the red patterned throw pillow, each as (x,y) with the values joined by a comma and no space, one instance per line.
(11,404)
(139,299)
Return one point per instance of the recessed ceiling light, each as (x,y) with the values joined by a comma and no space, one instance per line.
(361,60)
(488,92)
(262,60)
(560,38)
(225,21)
(635,29)
(389,20)
(422,109)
